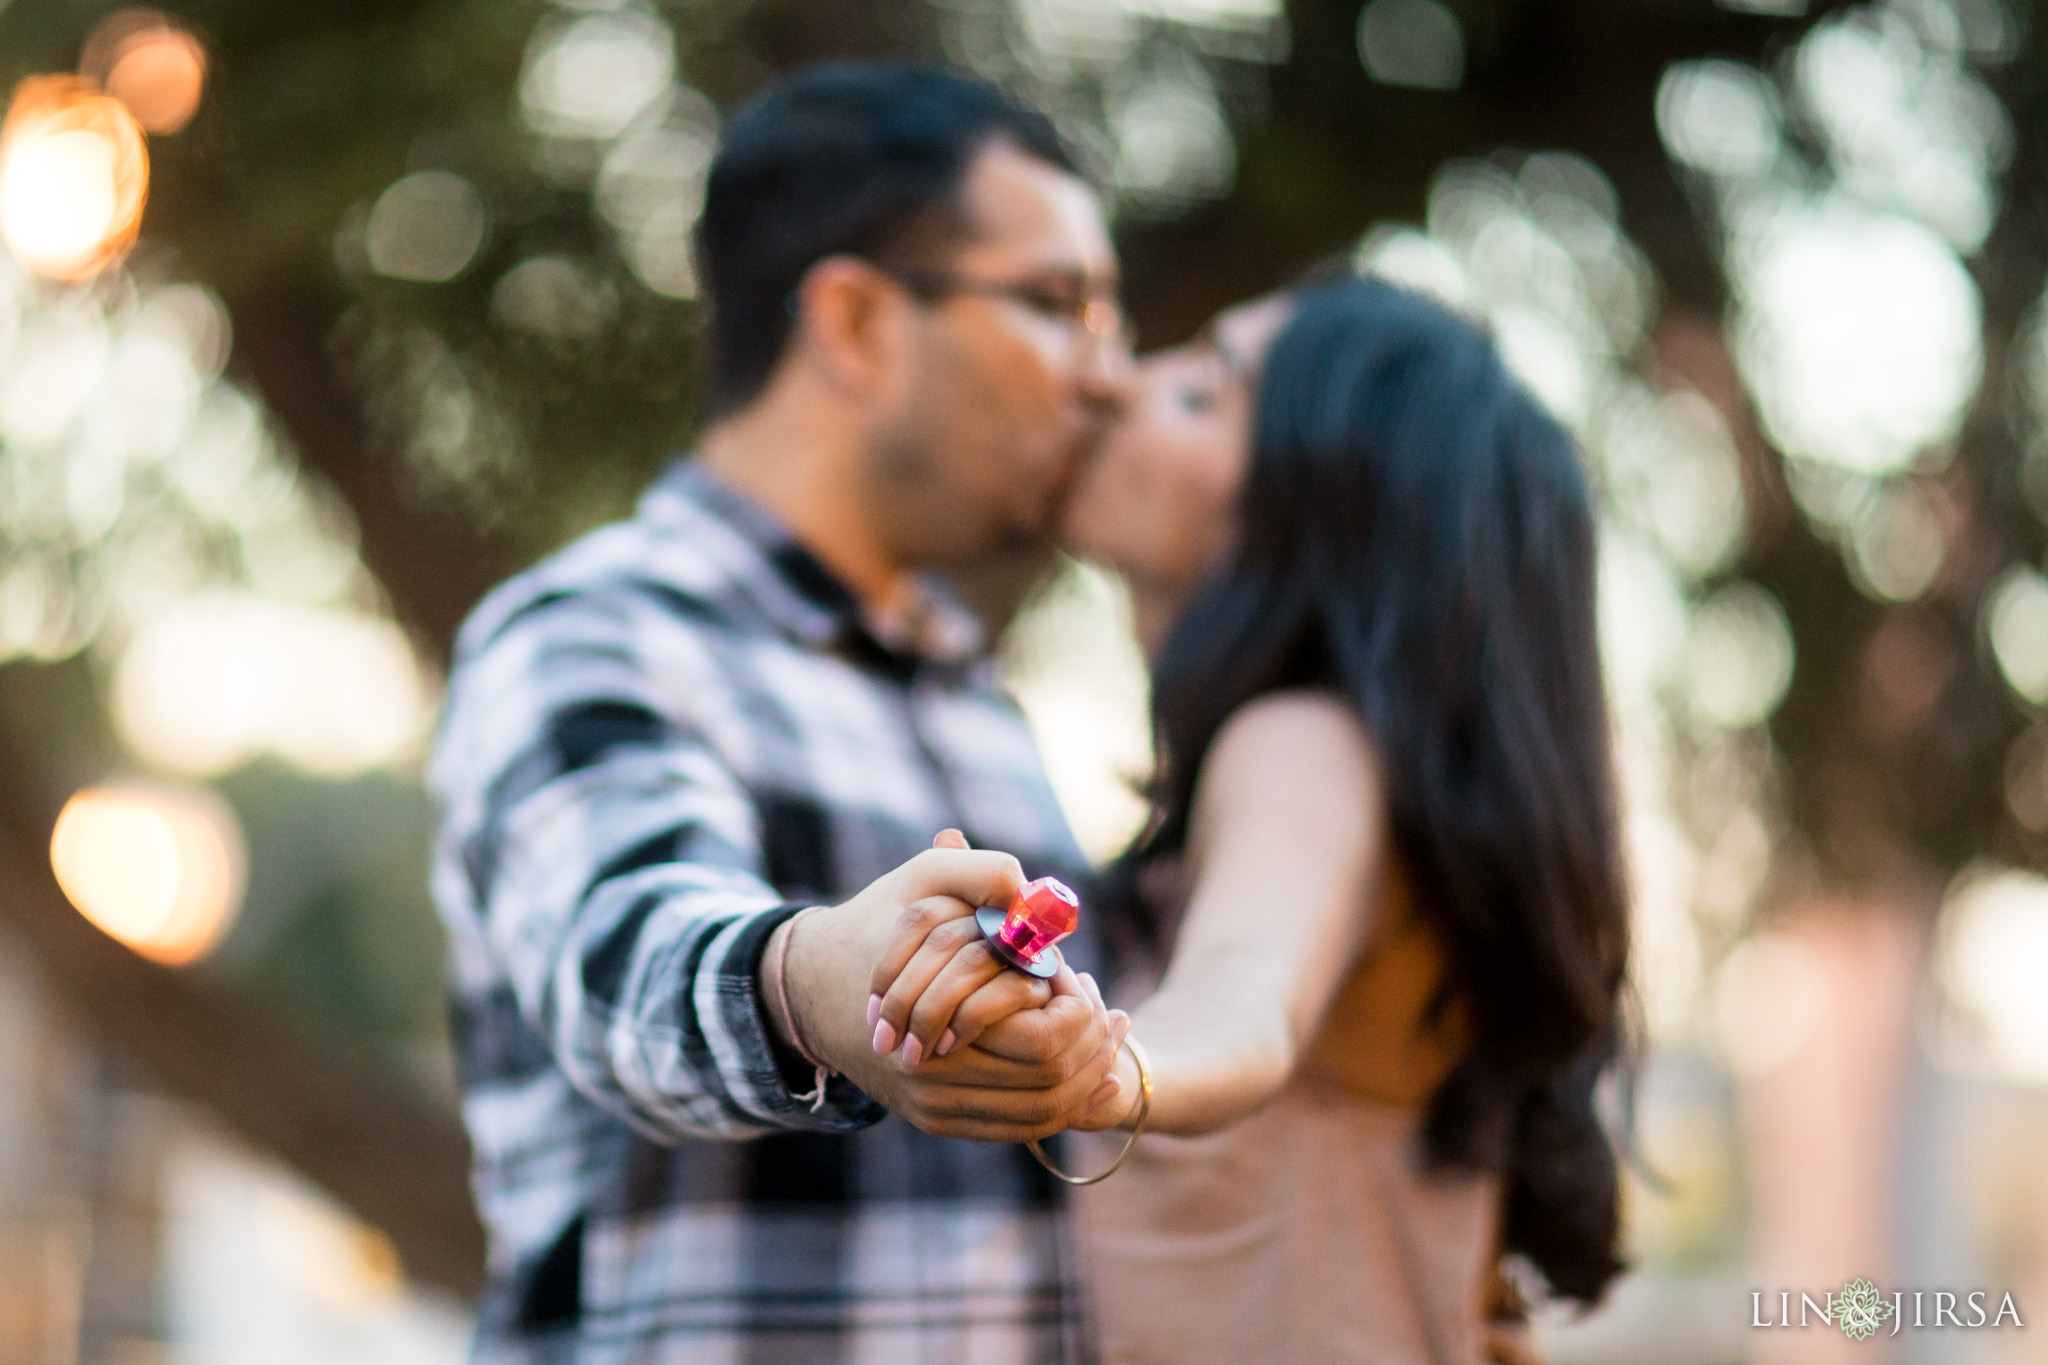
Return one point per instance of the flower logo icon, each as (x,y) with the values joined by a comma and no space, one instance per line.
(1860,1310)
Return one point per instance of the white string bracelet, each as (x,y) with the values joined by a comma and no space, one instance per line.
(816,1094)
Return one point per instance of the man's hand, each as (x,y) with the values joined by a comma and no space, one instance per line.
(1029,1075)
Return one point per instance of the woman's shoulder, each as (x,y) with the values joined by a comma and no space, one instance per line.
(1292,727)
(1300,746)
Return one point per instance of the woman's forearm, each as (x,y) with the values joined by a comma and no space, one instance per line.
(1215,1056)
(1286,860)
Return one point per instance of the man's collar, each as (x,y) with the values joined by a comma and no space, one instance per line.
(799,594)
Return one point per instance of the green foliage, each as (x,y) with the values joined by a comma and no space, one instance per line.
(336,924)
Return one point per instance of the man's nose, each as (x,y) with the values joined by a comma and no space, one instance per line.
(1108,375)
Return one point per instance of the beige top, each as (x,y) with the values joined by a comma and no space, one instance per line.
(1307,1232)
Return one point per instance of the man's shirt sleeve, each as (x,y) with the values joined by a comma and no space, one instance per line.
(610,861)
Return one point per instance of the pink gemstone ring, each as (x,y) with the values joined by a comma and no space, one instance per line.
(1040,915)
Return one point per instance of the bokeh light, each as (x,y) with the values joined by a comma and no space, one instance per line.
(73,177)
(317,1247)
(1675,469)
(650,188)
(1896,541)
(1174,147)
(1994,957)
(426,227)
(1416,43)
(552,296)
(2016,619)
(161,869)
(46,382)
(1151,90)
(1417,261)
(145,60)
(592,76)
(1907,124)
(1848,185)
(223,676)
(1211,14)
(1719,117)
(1740,657)
(1860,333)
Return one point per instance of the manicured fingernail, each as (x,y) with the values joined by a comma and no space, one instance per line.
(885,1038)
(1106,1091)
(913,1048)
(946,1041)
(874,1010)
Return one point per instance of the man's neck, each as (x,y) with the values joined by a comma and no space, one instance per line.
(808,474)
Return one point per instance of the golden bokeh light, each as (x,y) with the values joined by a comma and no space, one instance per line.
(73,177)
(161,869)
(143,59)
(343,1264)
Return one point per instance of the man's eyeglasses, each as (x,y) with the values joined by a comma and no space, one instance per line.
(1101,319)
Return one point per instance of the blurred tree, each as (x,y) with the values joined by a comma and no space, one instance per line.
(451,238)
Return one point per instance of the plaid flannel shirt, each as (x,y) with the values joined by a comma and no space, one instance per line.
(659,744)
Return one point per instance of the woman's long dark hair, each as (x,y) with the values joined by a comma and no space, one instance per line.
(1417,535)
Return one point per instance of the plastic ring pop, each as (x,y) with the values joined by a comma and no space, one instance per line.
(1040,914)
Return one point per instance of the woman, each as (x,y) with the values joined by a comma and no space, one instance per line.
(1382,871)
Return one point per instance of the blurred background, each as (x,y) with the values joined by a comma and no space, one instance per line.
(318,319)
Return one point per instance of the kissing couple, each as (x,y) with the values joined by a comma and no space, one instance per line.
(721,786)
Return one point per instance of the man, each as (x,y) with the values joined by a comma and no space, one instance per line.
(669,741)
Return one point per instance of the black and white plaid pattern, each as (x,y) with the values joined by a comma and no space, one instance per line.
(659,744)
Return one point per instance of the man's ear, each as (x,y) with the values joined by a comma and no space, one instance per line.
(851,325)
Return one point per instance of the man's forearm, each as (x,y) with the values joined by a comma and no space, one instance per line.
(815,982)
(805,994)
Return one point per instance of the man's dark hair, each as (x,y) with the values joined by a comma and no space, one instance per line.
(840,158)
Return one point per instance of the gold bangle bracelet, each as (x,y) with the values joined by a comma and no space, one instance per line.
(1137,1129)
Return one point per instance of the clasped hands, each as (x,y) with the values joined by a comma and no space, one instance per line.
(896,990)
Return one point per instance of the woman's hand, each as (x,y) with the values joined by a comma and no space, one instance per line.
(937,988)
(1118,1107)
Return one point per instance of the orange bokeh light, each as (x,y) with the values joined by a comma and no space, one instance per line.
(160,869)
(73,177)
(143,59)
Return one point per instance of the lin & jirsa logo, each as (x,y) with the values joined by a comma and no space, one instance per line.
(1861,1310)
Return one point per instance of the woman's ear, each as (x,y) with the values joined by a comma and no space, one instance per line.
(851,325)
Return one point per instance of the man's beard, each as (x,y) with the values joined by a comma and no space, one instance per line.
(931,515)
